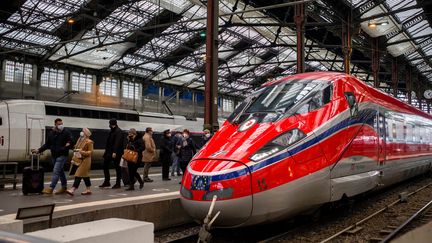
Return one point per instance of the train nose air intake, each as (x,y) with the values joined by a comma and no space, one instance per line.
(230,181)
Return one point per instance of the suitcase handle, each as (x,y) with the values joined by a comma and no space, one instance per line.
(33,155)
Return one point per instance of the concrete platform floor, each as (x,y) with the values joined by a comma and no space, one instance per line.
(11,199)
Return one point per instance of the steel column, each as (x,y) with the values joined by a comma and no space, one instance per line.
(409,85)
(299,20)
(347,43)
(375,62)
(395,78)
(211,75)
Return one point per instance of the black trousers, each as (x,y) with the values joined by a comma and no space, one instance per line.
(133,173)
(183,165)
(77,181)
(106,168)
(165,168)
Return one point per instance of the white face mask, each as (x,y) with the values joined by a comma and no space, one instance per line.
(60,127)
(185,135)
(207,135)
(81,134)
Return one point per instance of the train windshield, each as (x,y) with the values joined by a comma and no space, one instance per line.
(281,97)
(275,100)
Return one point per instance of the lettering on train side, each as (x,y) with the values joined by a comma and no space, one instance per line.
(262,185)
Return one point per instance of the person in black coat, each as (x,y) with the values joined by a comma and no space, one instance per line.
(187,150)
(135,143)
(113,153)
(59,141)
(165,154)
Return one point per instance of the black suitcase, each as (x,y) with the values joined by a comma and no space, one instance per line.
(33,177)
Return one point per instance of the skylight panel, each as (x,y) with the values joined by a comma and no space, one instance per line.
(48,12)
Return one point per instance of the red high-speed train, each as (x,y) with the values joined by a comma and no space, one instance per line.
(303,141)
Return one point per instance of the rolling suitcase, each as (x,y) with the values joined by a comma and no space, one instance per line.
(33,178)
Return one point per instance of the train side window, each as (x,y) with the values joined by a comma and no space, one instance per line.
(327,94)
(1,121)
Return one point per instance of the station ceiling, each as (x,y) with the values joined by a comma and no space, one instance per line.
(164,40)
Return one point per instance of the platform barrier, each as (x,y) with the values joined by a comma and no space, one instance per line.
(100,231)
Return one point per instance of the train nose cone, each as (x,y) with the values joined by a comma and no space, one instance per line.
(230,181)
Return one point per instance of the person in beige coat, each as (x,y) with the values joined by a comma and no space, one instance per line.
(149,153)
(81,162)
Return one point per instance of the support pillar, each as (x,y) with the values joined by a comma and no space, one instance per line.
(395,77)
(211,75)
(347,43)
(409,84)
(299,20)
(375,62)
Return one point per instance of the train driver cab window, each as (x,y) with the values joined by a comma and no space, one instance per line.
(321,98)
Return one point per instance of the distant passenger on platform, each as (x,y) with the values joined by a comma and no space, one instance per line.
(149,153)
(205,138)
(59,141)
(165,154)
(187,150)
(135,143)
(176,146)
(113,153)
(81,162)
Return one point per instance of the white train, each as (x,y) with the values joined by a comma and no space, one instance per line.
(24,125)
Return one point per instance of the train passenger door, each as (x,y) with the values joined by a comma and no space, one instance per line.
(35,132)
(4,132)
(381,125)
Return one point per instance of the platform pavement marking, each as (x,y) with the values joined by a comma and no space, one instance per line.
(104,202)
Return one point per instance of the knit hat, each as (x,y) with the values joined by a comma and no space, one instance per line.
(87,132)
(133,131)
(113,122)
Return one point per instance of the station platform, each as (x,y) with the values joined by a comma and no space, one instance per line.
(421,234)
(157,202)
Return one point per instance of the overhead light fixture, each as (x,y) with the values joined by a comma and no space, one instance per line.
(71,21)
(373,24)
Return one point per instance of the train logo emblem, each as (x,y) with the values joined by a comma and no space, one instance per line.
(200,183)
(247,124)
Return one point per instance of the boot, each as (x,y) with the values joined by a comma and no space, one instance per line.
(48,190)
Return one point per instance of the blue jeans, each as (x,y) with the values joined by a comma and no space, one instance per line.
(175,164)
(58,172)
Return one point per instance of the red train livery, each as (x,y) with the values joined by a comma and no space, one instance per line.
(302,141)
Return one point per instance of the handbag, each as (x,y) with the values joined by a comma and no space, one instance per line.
(130,156)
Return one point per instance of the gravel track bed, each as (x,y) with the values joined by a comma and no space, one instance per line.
(333,219)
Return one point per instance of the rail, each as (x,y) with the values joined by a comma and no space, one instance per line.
(404,224)
(372,215)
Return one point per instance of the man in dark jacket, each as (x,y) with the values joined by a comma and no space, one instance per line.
(113,153)
(165,154)
(135,143)
(176,145)
(59,141)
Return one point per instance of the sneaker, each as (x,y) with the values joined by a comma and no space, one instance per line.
(105,184)
(116,186)
(166,179)
(148,180)
(47,191)
(130,188)
(69,192)
(60,191)
(86,192)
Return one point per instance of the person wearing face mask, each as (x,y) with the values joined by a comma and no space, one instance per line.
(187,150)
(176,145)
(165,154)
(205,138)
(59,141)
(149,153)
(81,162)
(136,144)
(113,153)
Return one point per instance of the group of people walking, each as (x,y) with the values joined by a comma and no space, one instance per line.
(177,151)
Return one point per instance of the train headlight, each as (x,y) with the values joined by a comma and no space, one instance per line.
(279,143)
(224,193)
